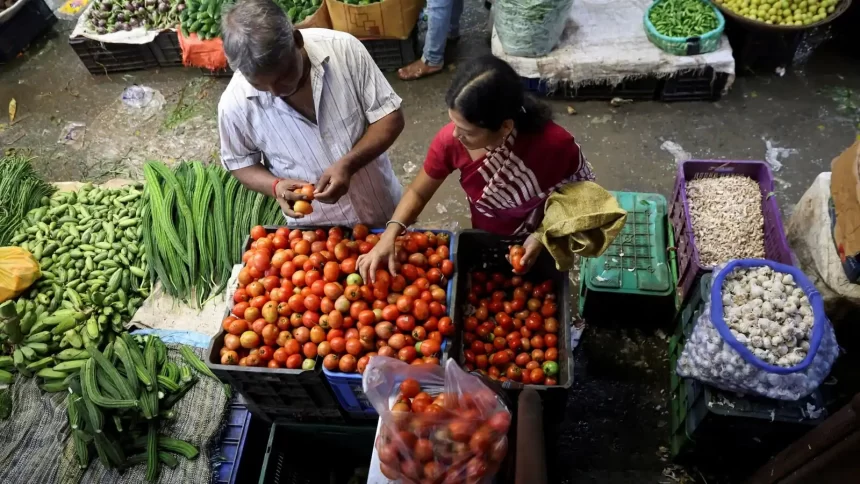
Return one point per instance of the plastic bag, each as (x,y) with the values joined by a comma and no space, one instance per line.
(718,355)
(456,434)
(18,269)
(530,28)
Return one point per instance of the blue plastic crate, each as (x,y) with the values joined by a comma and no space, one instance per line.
(347,386)
(233,443)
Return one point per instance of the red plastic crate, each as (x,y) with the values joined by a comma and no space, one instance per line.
(690,268)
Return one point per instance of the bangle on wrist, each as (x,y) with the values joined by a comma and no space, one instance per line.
(403,227)
(275,187)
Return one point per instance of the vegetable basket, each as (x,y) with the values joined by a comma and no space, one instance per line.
(702,44)
(347,386)
(841,8)
(690,268)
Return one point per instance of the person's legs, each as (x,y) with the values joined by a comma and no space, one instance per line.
(456,12)
(438,23)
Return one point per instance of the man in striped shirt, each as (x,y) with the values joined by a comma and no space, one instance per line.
(307,106)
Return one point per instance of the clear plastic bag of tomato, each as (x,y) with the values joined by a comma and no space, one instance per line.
(439,424)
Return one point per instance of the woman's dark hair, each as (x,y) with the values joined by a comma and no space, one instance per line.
(487,91)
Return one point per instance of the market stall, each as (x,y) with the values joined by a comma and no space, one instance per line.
(116,35)
(411,376)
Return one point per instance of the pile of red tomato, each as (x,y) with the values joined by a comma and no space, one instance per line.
(448,438)
(513,333)
(300,298)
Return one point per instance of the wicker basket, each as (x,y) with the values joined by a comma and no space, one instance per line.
(841,8)
(702,44)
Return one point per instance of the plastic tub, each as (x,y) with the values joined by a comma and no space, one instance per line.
(690,268)
(347,386)
(480,250)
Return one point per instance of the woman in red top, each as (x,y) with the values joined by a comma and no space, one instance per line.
(509,152)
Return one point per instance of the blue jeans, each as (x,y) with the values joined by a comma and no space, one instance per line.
(443,22)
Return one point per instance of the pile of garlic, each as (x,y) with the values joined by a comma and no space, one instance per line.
(725,213)
(769,314)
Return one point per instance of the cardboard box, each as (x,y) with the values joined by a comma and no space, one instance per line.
(845,193)
(389,19)
(319,20)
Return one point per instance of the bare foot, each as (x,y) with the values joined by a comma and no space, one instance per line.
(417,70)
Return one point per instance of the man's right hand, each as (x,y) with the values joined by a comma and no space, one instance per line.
(287,197)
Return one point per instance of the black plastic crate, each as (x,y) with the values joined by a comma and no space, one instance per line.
(24,27)
(644,89)
(105,58)
(299,454)
(278,394)
(706,85)
(167,50)
(476,250)
(224,73)
(392,54)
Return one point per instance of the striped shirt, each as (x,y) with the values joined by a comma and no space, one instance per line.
(349,94)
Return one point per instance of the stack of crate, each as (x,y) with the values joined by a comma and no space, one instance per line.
(703,417)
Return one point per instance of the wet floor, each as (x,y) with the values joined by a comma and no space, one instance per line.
(76,127)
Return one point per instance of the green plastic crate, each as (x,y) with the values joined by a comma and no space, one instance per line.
(638,261)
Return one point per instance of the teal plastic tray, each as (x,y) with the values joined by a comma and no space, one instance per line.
(637,261)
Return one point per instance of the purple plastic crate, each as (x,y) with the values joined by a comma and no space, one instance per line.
(775,244)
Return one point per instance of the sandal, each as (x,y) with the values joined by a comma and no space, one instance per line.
(417,70)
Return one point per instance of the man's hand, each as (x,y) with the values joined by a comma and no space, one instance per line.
(286,197)
(333,184)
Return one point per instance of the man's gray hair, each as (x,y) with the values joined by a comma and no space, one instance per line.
(257,36)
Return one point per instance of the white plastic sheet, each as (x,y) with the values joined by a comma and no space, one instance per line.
(604,42)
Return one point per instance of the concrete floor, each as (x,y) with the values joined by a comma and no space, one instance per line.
(616,424)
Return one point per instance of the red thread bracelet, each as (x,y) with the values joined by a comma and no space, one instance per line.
(275,187)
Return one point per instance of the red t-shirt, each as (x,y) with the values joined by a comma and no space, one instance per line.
(506,185)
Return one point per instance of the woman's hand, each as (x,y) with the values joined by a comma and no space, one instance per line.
(384,253)
(533,248)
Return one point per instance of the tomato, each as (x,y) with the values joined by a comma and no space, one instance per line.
(348,266)
(446,326)
(347,363)
(249,339)
(410,387)
(481,440)
(405,323)
(522,359)
(550,368)
(232,342)
(500,358)
(537,342)
(551,354)
(331,362)
(258,232)
(283,336)
(311,302)
(537,376)
(353,346)
(384,330)
(360,232)
(430,347)
(407,354)
(421,310)
(514,373)
(310,319)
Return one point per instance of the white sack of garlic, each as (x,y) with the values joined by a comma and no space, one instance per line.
(767,335)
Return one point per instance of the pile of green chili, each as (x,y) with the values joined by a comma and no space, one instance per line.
(683,18)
